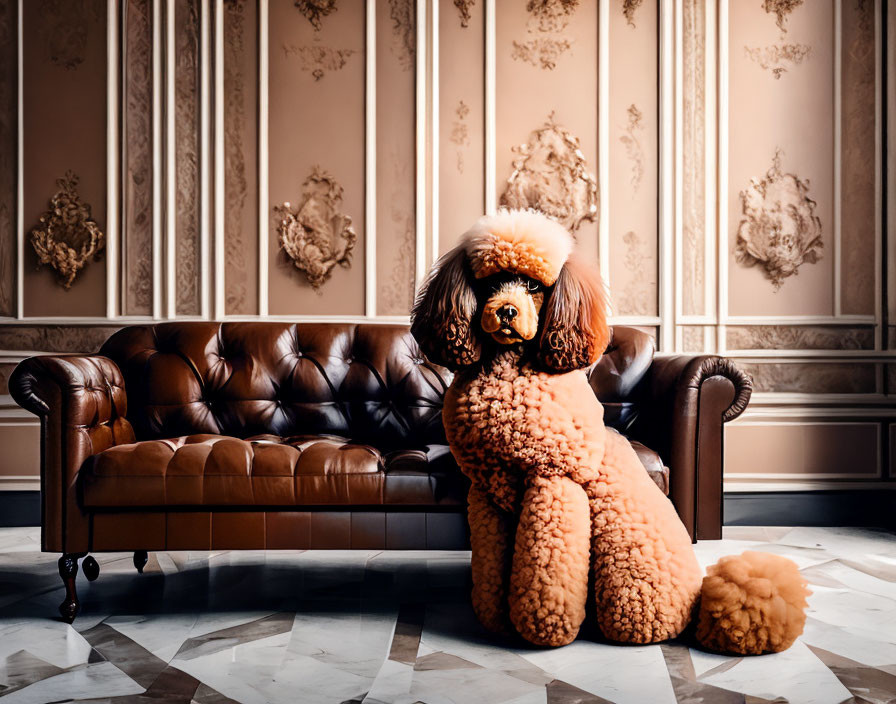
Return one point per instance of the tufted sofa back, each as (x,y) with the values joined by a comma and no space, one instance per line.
(366,382)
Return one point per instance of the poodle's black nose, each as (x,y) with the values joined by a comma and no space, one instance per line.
(507,312)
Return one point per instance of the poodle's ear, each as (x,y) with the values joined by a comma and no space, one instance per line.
(442,319)
(575,332)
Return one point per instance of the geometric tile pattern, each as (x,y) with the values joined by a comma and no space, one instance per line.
(391,626)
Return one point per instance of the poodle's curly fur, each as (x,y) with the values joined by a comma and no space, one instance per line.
(558,500)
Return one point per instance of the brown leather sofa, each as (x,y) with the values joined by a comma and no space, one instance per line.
(260,435)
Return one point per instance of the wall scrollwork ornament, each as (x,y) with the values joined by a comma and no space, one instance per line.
(781,9)
(314,10)
(315,235)
(628,9)
(66,236)
(463,9)
(779,230)
(551,175)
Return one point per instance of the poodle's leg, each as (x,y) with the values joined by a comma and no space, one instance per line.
(490,534)
(646,576)
(549,580)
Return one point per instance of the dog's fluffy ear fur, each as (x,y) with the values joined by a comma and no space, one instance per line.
(575,331)
(442,319)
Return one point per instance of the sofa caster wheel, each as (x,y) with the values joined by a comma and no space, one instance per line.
(91,568)
(68,570)
(140,559)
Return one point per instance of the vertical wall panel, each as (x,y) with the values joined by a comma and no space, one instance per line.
(546,63)
(8,153)
(137,157)
(693,160)
(789,112)
(461,119)
(634,154)
(240,157)
(187,101)
(395,164)
(65,129)
(316,120)
(858,146)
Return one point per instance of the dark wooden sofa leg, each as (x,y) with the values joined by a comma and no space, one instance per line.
(140,559)
(68,570)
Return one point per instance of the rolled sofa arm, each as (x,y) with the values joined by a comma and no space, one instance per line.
(82,405)
(684,403)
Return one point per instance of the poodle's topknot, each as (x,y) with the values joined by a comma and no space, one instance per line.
(523,242)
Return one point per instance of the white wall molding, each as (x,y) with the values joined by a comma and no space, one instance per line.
(20,165)
(670,64)
(772,485)
(219,273)
(603,138)
(113,173)
(491,118)
(420,193)
(263,195)
(157,159)
(370,159)
(170,165)
(205,148)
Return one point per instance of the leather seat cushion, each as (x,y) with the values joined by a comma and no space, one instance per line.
(267,470)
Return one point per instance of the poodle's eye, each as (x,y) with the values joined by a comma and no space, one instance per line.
(532,286)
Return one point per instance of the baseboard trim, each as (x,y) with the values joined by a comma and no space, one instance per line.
(811,508)
(19,508)
(785,508)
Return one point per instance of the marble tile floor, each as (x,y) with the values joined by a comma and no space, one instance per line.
(371,627)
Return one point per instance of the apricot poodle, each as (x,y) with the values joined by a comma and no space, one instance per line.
(557,501)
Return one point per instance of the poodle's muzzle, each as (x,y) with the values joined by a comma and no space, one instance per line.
(512,309)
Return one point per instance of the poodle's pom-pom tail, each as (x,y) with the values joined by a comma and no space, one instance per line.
(751,604)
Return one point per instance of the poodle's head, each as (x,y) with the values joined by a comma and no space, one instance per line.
(513,280)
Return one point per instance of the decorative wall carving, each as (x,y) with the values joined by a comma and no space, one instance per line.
(633,148)
(235,182)
(779,230)
(317,60)
(315,10)
(781,9)
(55,338)
(798,337)
(67,237)
(460,133)
(693,338)
(315,235)
(402,14)
(463,9)
(775,57)
(639,289)
(67,29)
(811,378)
(547,21)
(8,142)
(550,174)
(186,108)
(137,196)
(628,9)
(398,292)
(542,51)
